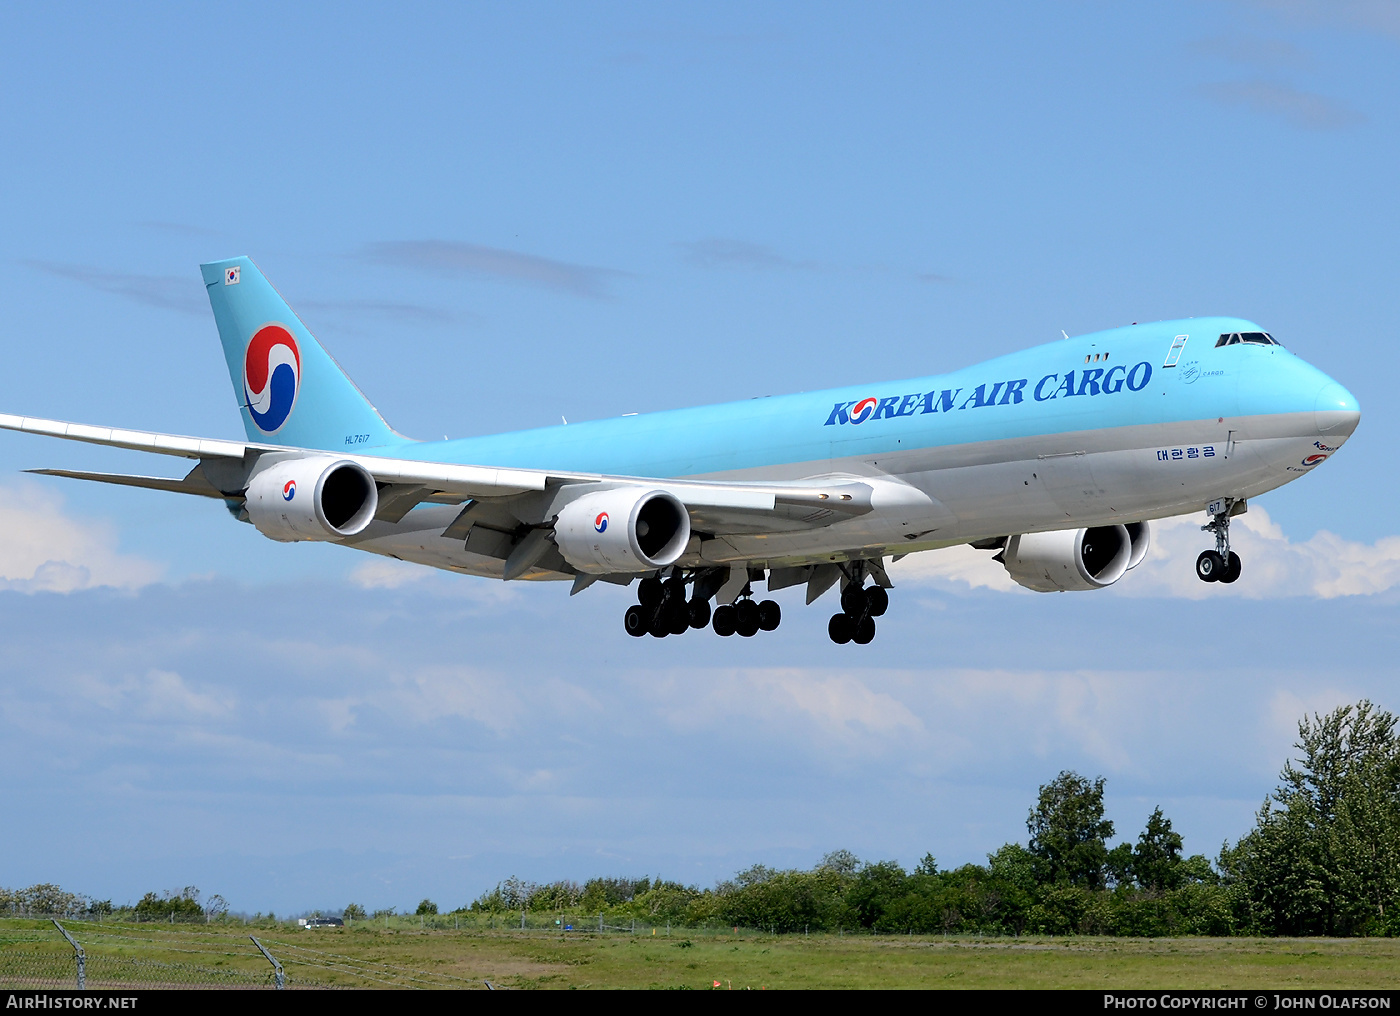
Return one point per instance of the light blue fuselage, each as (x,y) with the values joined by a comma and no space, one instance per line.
(1084,431)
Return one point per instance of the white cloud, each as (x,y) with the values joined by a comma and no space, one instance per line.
(840,705)
(387,573)
(157,695)
(44,550)
(433,693)
(1325,566)
(953,566)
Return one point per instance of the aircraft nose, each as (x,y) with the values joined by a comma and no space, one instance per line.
(1336,411)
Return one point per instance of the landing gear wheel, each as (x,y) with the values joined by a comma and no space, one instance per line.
(841,628)
(650,592)
(1232,568)
(635,621)
(865,631)
(769,615)
(853,600)
(659,629)
(724,622)
(877,601)
(746,618)
(1210,566)
(699,613)
(679,616)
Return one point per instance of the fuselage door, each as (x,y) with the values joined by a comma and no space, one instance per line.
(1174,354)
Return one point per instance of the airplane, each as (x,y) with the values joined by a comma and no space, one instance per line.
(1056,458)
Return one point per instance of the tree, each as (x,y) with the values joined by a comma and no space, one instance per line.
(1324,855)
(1068,831)
(426,908)
(1157,856)
(843,862)
(354,912)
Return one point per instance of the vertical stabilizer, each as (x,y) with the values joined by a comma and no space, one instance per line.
(289,389)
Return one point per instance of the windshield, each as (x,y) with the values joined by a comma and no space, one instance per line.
(1254,338)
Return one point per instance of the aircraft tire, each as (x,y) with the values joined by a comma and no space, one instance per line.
(746,618)
(699,613)
(679,618)
(635,621)
(865,631)
(1232,568)
(1210,566)
(841,628)
(723,622)
(650,592)
(877,601)
(853,600)
(770,615)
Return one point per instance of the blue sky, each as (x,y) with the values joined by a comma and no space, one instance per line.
(497,215)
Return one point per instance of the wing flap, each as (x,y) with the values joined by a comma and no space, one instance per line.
(194,483)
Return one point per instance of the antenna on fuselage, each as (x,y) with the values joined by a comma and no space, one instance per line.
(1064,333)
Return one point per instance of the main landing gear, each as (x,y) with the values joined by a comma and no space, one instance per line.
(662,609)
(747,618)
(1221,564)
(859,609)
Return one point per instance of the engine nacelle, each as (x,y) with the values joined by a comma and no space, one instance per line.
(1075,559)
(626,529)
(317,498)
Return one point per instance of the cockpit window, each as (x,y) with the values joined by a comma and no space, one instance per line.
(1256,338)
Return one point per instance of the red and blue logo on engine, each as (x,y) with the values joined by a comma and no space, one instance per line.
(601,522)
(271,377)
(289,490)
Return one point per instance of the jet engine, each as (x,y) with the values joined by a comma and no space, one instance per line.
(625,529)
(1075,559)
(316,498)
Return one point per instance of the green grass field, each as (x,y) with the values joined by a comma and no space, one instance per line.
(368,956)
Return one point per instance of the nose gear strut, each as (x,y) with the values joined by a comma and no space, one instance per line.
(1221,564)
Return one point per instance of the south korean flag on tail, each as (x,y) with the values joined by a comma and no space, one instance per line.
(231,275)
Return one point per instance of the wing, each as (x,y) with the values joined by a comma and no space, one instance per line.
(715,507)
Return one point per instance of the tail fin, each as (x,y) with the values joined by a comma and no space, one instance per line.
(289,389)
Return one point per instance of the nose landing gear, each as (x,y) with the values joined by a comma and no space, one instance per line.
(1221,564)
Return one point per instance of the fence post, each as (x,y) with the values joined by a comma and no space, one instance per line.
(78,952)
(600,922)
(522,918)
(280,978)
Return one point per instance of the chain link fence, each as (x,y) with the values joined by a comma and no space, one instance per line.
(106,958)
(64,953)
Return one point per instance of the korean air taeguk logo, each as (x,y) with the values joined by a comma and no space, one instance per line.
(601,522)
(271,376)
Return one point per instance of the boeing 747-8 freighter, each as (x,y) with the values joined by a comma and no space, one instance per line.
(1055,458)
